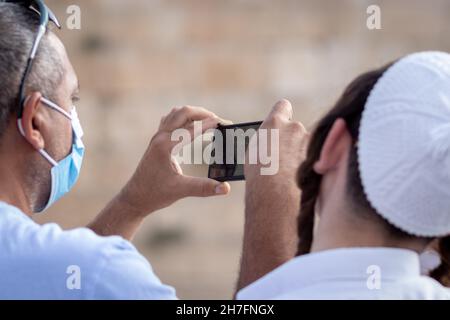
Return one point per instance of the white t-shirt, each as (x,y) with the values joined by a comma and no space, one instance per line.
(351,273)
(45,262)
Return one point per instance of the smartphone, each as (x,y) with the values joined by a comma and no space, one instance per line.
(230,144)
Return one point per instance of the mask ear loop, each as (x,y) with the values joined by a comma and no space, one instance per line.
(64,113)
(56,107)
(47,157)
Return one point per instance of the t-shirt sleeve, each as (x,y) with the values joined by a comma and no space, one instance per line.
(125,274)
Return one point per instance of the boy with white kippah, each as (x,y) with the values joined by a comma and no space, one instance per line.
(375,185)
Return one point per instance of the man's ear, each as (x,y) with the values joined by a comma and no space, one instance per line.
(336,145)
(32,121)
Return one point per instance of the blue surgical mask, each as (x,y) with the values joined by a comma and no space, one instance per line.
(65,173)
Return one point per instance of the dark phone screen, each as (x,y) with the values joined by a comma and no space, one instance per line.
(228,152)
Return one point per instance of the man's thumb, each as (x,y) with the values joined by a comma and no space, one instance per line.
(204,187)
(283,109)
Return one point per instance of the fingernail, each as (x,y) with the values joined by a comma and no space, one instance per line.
(225,122)
(221,189)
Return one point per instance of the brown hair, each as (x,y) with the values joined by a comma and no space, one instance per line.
(349,107)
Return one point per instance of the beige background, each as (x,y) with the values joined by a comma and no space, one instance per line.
(138,58)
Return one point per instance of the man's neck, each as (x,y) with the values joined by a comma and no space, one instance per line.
(12,187)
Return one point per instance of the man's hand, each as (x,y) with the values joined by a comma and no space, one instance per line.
(272,201)
(158,180)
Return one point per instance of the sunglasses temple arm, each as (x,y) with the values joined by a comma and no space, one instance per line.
(38,39)
(53,18)
(46,14)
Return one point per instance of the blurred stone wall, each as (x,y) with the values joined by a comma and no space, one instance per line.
(138,58)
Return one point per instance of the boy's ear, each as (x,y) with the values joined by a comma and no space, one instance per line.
(336,145)
(32,121)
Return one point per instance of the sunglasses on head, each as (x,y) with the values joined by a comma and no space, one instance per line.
(45,15)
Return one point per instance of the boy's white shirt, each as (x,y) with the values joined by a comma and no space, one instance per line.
(348,273)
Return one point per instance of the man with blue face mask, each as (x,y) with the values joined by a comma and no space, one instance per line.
(64,174)
(41,154)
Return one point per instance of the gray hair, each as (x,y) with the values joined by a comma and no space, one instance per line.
(18,27)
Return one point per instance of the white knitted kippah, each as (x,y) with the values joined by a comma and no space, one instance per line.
(404,145)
